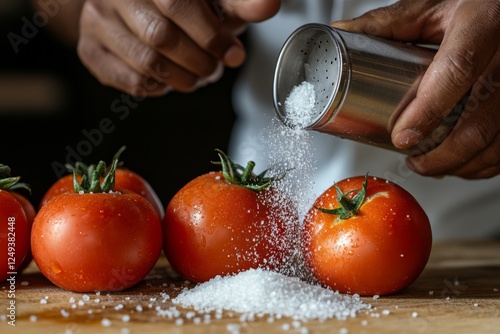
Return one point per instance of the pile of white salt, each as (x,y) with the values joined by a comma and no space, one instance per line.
(258,291)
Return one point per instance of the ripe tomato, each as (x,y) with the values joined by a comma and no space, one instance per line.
(366,235)
(221,223)
(96,241)
(124,179)
(16,214)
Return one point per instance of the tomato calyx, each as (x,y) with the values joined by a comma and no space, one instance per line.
(244,176)
(92,174)
(349,206)
(8,182)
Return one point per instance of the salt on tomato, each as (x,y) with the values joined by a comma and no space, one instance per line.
(97,240)
(366,235)
(220,224)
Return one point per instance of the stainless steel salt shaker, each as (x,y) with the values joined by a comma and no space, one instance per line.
(362,83)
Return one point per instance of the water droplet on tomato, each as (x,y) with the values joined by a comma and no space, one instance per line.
(55,268)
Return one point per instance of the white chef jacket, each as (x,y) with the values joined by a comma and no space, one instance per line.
(457,208)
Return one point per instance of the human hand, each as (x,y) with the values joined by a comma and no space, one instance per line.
(468,58)
(148,47)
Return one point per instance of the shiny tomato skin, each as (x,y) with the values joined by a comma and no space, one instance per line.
(212,227)
(96,242)
(380,251)
(14,235)
(124,179)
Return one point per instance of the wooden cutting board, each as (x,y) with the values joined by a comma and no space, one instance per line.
(458,292)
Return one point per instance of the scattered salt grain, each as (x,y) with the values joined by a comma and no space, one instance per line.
(33,318)
(258,291)
(105,322)
(414,314)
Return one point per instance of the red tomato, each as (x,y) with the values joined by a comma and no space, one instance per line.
(214,227)
(381,248)
(14,235)
(96,241)
(124,179)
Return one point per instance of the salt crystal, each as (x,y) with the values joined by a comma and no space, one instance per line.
(33,318)
(271,293)
(414,314)
(299,105)
(105,322)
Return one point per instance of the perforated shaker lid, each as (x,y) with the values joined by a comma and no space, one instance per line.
(313,53)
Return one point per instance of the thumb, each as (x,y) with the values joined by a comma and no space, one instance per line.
(405,20)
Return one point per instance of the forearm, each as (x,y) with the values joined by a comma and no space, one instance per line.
(64,18)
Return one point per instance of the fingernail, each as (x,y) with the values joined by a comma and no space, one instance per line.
(234,56)
(407,138)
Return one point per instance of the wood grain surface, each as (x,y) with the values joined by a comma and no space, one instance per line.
(458,292)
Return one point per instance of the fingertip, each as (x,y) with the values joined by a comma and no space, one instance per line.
(234,56)
(406,138)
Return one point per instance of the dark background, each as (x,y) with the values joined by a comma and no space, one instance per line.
(169,140)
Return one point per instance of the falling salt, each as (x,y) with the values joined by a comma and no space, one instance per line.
(258,291)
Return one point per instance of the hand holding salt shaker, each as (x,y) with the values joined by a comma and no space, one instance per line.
(351,85)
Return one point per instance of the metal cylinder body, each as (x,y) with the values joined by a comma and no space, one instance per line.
(362,83)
